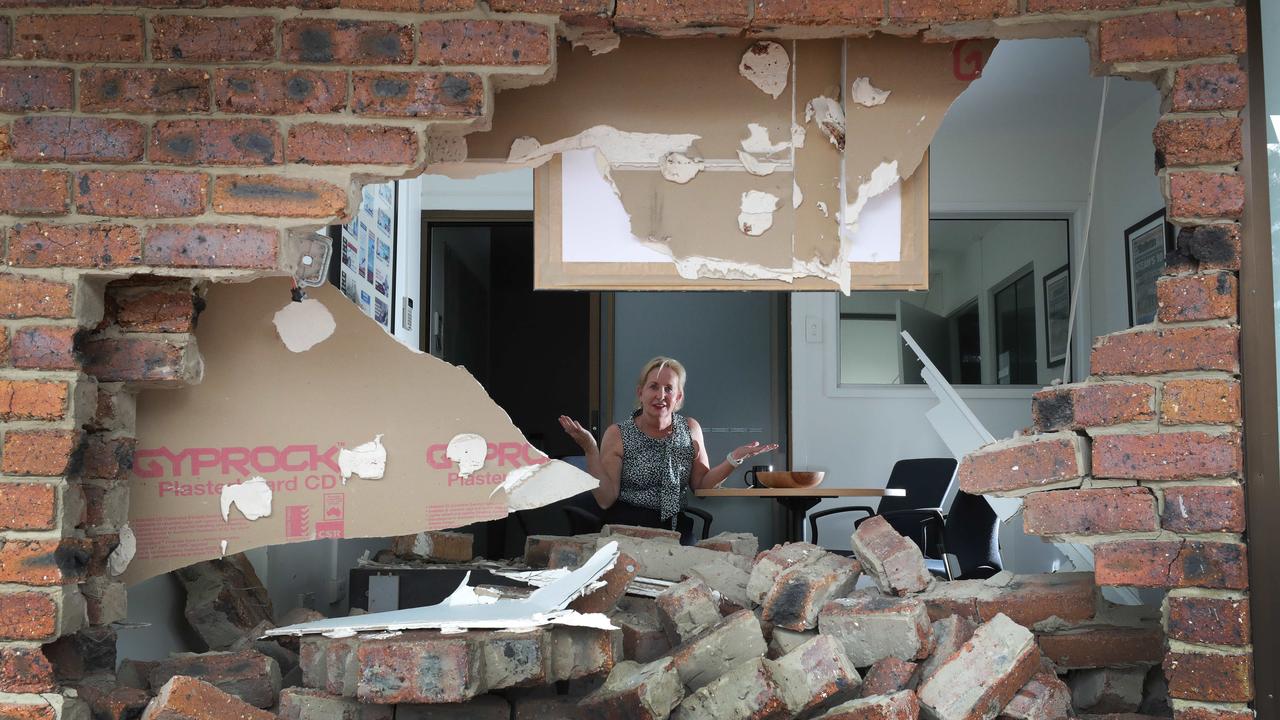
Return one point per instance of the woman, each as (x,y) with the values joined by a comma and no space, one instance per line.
(646,464)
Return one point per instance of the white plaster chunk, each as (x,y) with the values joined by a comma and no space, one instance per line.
(618,146)
(696,266)
(533,486)
(679,168)
(866,94)
(797,197)
(757,141)
(822,208)
(756,212)
(468,450)
(222,548)
(755,166)
(119,559)
(303,325)
(766,65)
(253,497)
(829,117)
(798,134)
(523,147)
(368,460)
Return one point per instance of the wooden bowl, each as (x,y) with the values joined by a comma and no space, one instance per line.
(790,479)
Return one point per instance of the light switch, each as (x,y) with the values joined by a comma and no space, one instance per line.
(812,329)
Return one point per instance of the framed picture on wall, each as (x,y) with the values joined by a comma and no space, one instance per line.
(1145,245)
(1057,312)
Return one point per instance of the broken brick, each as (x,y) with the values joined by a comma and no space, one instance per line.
(902,705)
(985,673)
(889,675)
(636,692)
(247,674)
(711,653)
(186,698)
(872,626)
(893,561)
(687,608)
(802,590)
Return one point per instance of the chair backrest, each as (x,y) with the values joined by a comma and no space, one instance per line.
(973,536)
(924,479)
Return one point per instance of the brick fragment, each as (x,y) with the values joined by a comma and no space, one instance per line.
(616,581)
(434,545)
(1044,697)
(889,675)
(1166,456)
(1203,509)
(28,711)
(643,533)
(347,42)
(893,561)
(146,193)
(393,671)
(1172,564)
(1193,712)
(643,639)
(247,675)
(1199,87)
(144,90)
(1032,599)
(745,544)
(513,661)
(112,703)
(572,9)
(28,297)
(89,654)
(1198,141)
(839,13)
(1152,352)
(1172,35)
(483,42)
(1083,405)
(1206,195)
(210,246)
(107,457)
(985,673)
(653,16)
(539,549)
(1200,401)
(32,89)
(44,562)
(27,191)
(1207,247)
(277,196)
(711,653)
(642,692)
(947,11)
(216,142)
(1103,646)
(186,698)
(90,38)
(1208,620)
(687,608)
(1098,511)
(200,39)
(28,506)
(154,310)
(902,705)
(1210,677)
(307,704)
(279,92)
(48,138)
(773,562)
(802,590)
(664,561)
(320,144)
(1023,464)
(142,361)
(100,246)
(949,635)
(871,627)
(580,652)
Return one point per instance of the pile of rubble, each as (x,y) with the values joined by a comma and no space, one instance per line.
(791,632)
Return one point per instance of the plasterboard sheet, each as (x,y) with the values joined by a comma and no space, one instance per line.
(596,225)
(265,411)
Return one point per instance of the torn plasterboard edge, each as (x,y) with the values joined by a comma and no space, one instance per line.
(468,450)
(368,461)
(866,94)
(252,496)
(767,66)
(882,178)
(678,167)
(119,559)
(797,197)
(757,141)
(694,267)
(464,610)
(619,147)
(755,214)
(597,40)
(829,117)
(303,325)
(533,486)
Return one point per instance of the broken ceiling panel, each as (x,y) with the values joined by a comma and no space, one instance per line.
(266,412)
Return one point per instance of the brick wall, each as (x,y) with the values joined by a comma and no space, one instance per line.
(148,145)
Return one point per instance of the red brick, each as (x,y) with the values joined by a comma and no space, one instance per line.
(28,506)
(894,562)
(28,711)
(44,347)
(279,92)
(102,246)
(33,192)
(840,13)
(563,8)
(1038,6)
(40,452)
(143,193)
(43,562)
(144,90)
(1166,456)
(1025,463)
(1196,297)
(397,5)
(1200,401)
(1171,564)
(659,15)
(27,89)
(76,139)
(1103,646)
(944,11)
(1209,677)
(1207,247)
(1206,195)
(539,550)
(616,581)
(1216,713)
(32,400)
(1209,87)
(187,698)
(139,360)
(209,246)
(320,144)
(107,457)
(6,147)
(347,42)
(25,670)
(887,676)
(392,671)
(182,38)
(1084,405)
(1198,141)
(277,196)
(216,142)
(1208,620)
(1152,352)
(1172,35)
(245,674)
(113,703)
(4,346)
(1203,509)
(483,42)
(1032,599)
(158,311)
(25,297)
(443,96)
(1100,511)
(84,38)
(28,616)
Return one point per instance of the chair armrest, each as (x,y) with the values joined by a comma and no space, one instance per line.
(813,518)
(927,516)
(705,517)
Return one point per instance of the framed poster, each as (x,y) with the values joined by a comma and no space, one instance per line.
(1145,245)
(1057,314)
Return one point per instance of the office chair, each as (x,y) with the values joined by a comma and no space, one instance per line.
(925,480)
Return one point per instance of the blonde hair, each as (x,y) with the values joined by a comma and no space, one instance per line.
(657,364)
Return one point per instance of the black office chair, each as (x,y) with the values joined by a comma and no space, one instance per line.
(925,480)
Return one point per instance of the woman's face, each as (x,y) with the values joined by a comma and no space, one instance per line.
(660,394)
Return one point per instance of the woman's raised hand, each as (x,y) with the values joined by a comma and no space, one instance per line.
(579,434)
(752,449)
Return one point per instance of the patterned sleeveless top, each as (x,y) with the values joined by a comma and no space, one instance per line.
(655,473)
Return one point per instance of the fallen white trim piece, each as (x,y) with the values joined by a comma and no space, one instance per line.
(533,486)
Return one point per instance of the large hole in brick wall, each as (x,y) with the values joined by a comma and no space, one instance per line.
(727,630)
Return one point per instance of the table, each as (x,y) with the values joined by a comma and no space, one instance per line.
(798,501)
